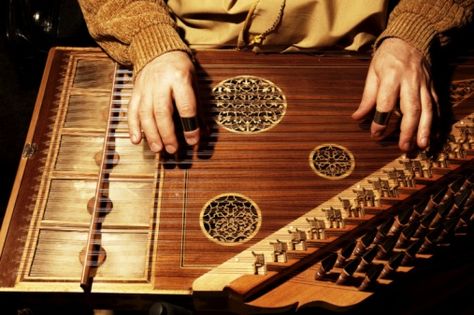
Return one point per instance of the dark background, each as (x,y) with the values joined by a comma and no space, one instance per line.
(24,44)
(445,285)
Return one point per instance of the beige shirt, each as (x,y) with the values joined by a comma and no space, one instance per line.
(136,32)
(279,25)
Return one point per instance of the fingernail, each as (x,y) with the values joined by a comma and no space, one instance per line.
(170,149)
(424,142)
(134,137)
(155,147)
(377,133)
(406,146)
(192,140)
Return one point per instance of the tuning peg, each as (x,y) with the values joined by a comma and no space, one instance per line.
(430,240)
(425,223)
(348,270)
(401,221)
(367,258)
(392,264)
(364,242)
(382,230)
(386,248)
(411,251)
(406,234)
(345,253)
(326,265)
(370,278)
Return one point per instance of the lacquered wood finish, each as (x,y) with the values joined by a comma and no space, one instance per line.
(155,233)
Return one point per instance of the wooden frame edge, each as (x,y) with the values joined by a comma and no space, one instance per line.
(22,163)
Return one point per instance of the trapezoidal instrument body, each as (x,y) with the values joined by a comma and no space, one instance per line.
(282,179)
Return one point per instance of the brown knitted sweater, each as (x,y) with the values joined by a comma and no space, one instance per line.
(135,32)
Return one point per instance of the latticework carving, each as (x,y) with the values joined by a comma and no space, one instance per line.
(248,104)
(332,161)
(230,219)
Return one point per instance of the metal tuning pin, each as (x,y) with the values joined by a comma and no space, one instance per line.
(371,277)
(344,254)
(279,250)
(352,212)
(348,271)
(334,216)
(259,263)
(298,237)
(326,265)
(392,265)
(316,230)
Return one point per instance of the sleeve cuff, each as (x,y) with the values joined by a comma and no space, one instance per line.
(412,28)
(153,41)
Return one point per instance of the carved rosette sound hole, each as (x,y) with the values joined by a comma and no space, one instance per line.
(230,219)
(248,104)
(332,161)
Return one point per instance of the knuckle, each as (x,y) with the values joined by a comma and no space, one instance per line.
(186,108)
(181,75)
(161,111)
(143,113)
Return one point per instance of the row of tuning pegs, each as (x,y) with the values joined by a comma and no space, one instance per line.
(416,229)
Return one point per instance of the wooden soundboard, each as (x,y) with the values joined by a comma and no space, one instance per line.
(284,194)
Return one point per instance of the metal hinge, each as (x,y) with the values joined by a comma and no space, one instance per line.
(29,150)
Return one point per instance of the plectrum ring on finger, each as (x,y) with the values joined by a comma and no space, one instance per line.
(382,118)
(189,123)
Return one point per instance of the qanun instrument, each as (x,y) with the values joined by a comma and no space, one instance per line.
(286,202)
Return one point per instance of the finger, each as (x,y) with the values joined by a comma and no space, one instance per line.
(132,117)
(410,106)
(369,96)
(185,100)
(163,113)
(426,119)
(147,120)
(387,98)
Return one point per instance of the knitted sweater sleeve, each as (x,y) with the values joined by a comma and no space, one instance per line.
(424,23)
(132,32)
